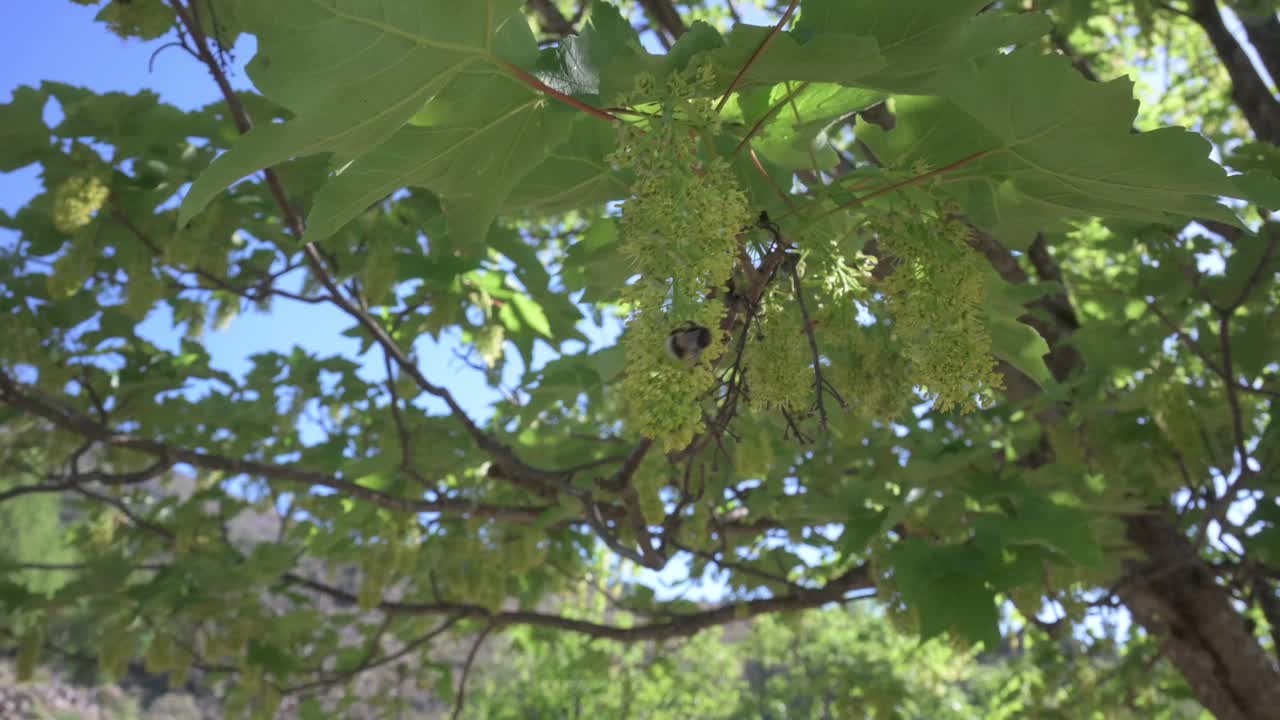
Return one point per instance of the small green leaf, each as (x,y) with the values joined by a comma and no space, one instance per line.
(945,585)
(271,658)
(531,313)
(24,138)
(379,63)
(1012,340)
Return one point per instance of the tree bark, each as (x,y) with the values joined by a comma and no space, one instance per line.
(550,18)
(664,13)
(1174,595)
(1263,32)
(1248,88)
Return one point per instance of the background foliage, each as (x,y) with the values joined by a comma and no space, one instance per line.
(991,342)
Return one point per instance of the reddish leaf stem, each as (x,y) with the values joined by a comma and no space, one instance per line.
(764,44)
(765,118)
(546,89)
(909,182)
(786,199)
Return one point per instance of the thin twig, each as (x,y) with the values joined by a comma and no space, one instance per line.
(1186,339)
(369,663)
(768,114)
(1259,271)
(466,672)
(782,194)
(33,402)
(1233,398)
(546,89)
(527,477)
(764,44)
(819,385)
(856,202)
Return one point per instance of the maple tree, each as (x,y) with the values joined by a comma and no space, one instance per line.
(965,352)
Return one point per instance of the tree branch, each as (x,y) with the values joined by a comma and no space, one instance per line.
(501,454)
(820,386)
(1248,88)
(1263,32)
(551,20)
(461,699)
(664,13)
(764,45)
(32,402)
(679,625)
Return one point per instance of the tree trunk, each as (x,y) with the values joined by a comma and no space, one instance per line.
(1264,34)
(1173,594)
(1175,597)
(1248,88)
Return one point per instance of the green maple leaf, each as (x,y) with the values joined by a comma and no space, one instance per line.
(574,66)
(918,39)
(846,58)
(793,118)
(24,138)
(1012,340)
(355,77)
(1018,165)
(470,145)
(574,174)
(946,585)
(870,48)
(1037,521)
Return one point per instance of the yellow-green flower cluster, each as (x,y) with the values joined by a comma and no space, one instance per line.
(778,359)
(663,395)
(867,369)
(76,200)
(934,299)
(679,232)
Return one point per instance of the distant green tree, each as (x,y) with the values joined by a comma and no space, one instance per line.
(32,532)
(837,663)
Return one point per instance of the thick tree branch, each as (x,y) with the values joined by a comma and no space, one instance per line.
(681,625)
(550,19)
(1248,88)
(1263,32)
(764,45)
(31,401)
(1173,595)
(666,16)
